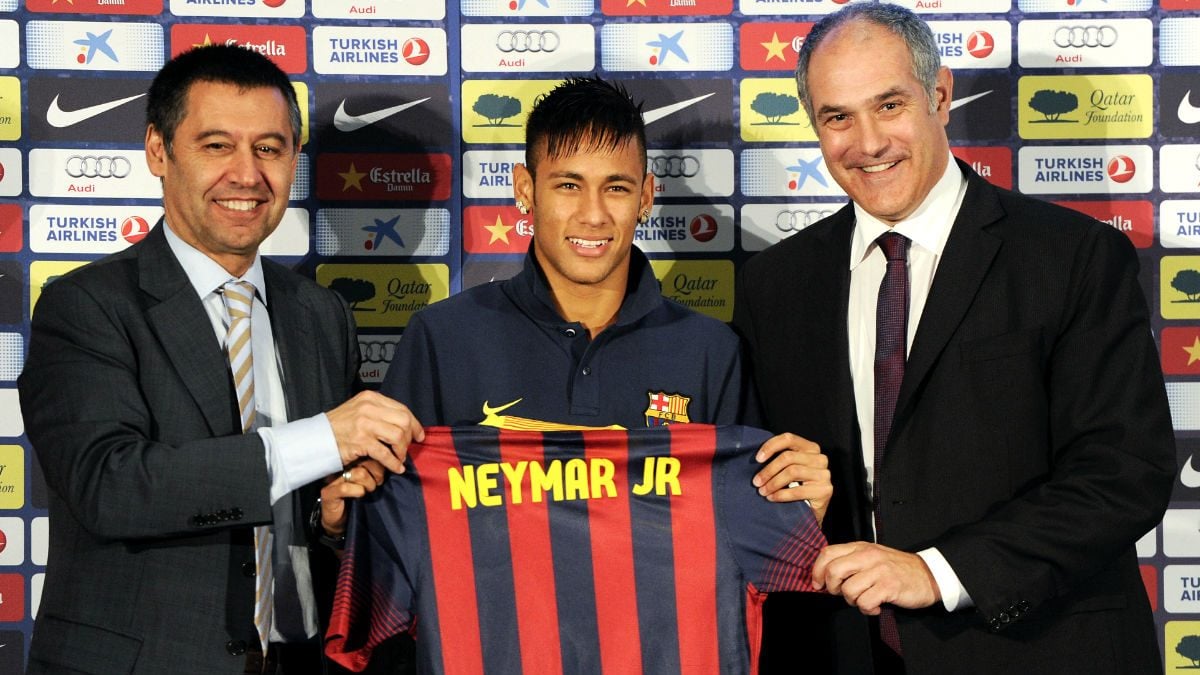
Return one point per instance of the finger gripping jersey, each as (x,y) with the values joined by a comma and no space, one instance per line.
(643,551)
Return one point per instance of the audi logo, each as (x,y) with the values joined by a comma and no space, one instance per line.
(377,351)
(527,41)
(673,166)
(98,166)
(1085,36)
(794,221)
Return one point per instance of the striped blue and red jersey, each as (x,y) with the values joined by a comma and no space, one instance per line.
(640,551)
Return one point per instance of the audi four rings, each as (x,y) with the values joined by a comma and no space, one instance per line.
(1085,36)
(794,221)
(673,166)
(527,41)
(98,166)
(377,351)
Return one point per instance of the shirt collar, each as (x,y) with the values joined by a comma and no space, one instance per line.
(642,295)
(928,227)
(204,274)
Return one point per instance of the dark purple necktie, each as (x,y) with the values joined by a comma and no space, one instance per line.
(891,333)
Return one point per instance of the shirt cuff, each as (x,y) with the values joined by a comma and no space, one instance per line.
(954,596)
(299,453)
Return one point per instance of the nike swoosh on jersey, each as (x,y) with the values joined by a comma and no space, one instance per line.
(57,117)
(1188,113)
(343,121)
(960,102)
(657,114)
(1189,476)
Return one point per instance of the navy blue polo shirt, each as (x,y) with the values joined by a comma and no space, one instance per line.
(501,349)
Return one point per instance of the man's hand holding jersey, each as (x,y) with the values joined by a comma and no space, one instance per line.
(795,470)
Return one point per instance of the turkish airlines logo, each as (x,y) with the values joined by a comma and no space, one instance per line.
(134,229)
(981,44)
(415,51)
(1121,169)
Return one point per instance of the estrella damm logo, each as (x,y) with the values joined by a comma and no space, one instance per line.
(771,111)
(1085,106)
(1179,291)
(385,296)
(494,111)
(10,108)
(704,285)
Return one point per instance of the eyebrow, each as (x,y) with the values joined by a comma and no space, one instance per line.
(611,178)
(890,93)
(273,135)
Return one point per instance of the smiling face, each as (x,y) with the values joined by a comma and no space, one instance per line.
(585,208)
(226,181)
(879,137)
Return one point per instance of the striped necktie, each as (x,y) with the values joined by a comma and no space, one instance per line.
(239,298)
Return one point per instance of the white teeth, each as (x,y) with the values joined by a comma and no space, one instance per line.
(238,205)
(878,167)
(586,243)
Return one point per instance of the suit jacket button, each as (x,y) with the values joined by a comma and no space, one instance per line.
(236,513)
(994,624)
(1004,617)
(235,647)
(248,569)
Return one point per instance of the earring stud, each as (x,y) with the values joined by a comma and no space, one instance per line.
(522,208)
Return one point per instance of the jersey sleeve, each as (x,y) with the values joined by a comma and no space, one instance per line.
(375,594)
(773,543)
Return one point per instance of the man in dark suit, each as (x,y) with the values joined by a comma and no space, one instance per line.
(986,387)
(164,513)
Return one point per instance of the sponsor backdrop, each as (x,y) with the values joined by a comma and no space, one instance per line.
(414,113)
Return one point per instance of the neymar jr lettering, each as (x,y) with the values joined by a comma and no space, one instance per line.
(484,484)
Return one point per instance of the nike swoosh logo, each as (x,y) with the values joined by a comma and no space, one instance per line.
(59,118)
(958,103)
(1188,113)
(488,410)
(1189,476)
(343,121)
(651,116)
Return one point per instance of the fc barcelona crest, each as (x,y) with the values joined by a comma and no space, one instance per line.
(666,408)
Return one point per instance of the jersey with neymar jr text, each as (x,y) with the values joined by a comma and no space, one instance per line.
(642,551)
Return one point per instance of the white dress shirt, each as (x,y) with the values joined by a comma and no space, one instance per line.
(927,228)
(296,453)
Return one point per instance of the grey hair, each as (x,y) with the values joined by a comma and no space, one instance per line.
(922,48)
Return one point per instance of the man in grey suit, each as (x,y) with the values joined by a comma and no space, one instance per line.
(178,486)
(980,370)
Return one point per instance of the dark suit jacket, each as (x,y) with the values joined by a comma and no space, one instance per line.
(1032,442)
(129,404)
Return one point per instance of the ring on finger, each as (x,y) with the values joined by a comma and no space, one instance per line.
(347,475)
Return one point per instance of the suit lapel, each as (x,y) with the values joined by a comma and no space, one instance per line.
(290,324)
(965,262)
(182,326)
(833,263)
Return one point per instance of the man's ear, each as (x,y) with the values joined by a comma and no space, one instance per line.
(156,152)
(647,200)
(943,91)
(523,185)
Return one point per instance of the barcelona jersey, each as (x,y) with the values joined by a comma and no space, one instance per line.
(614,551)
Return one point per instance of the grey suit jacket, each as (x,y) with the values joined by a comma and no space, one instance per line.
(129,405)
(1032,442)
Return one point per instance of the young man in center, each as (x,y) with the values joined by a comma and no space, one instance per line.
(582,336)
